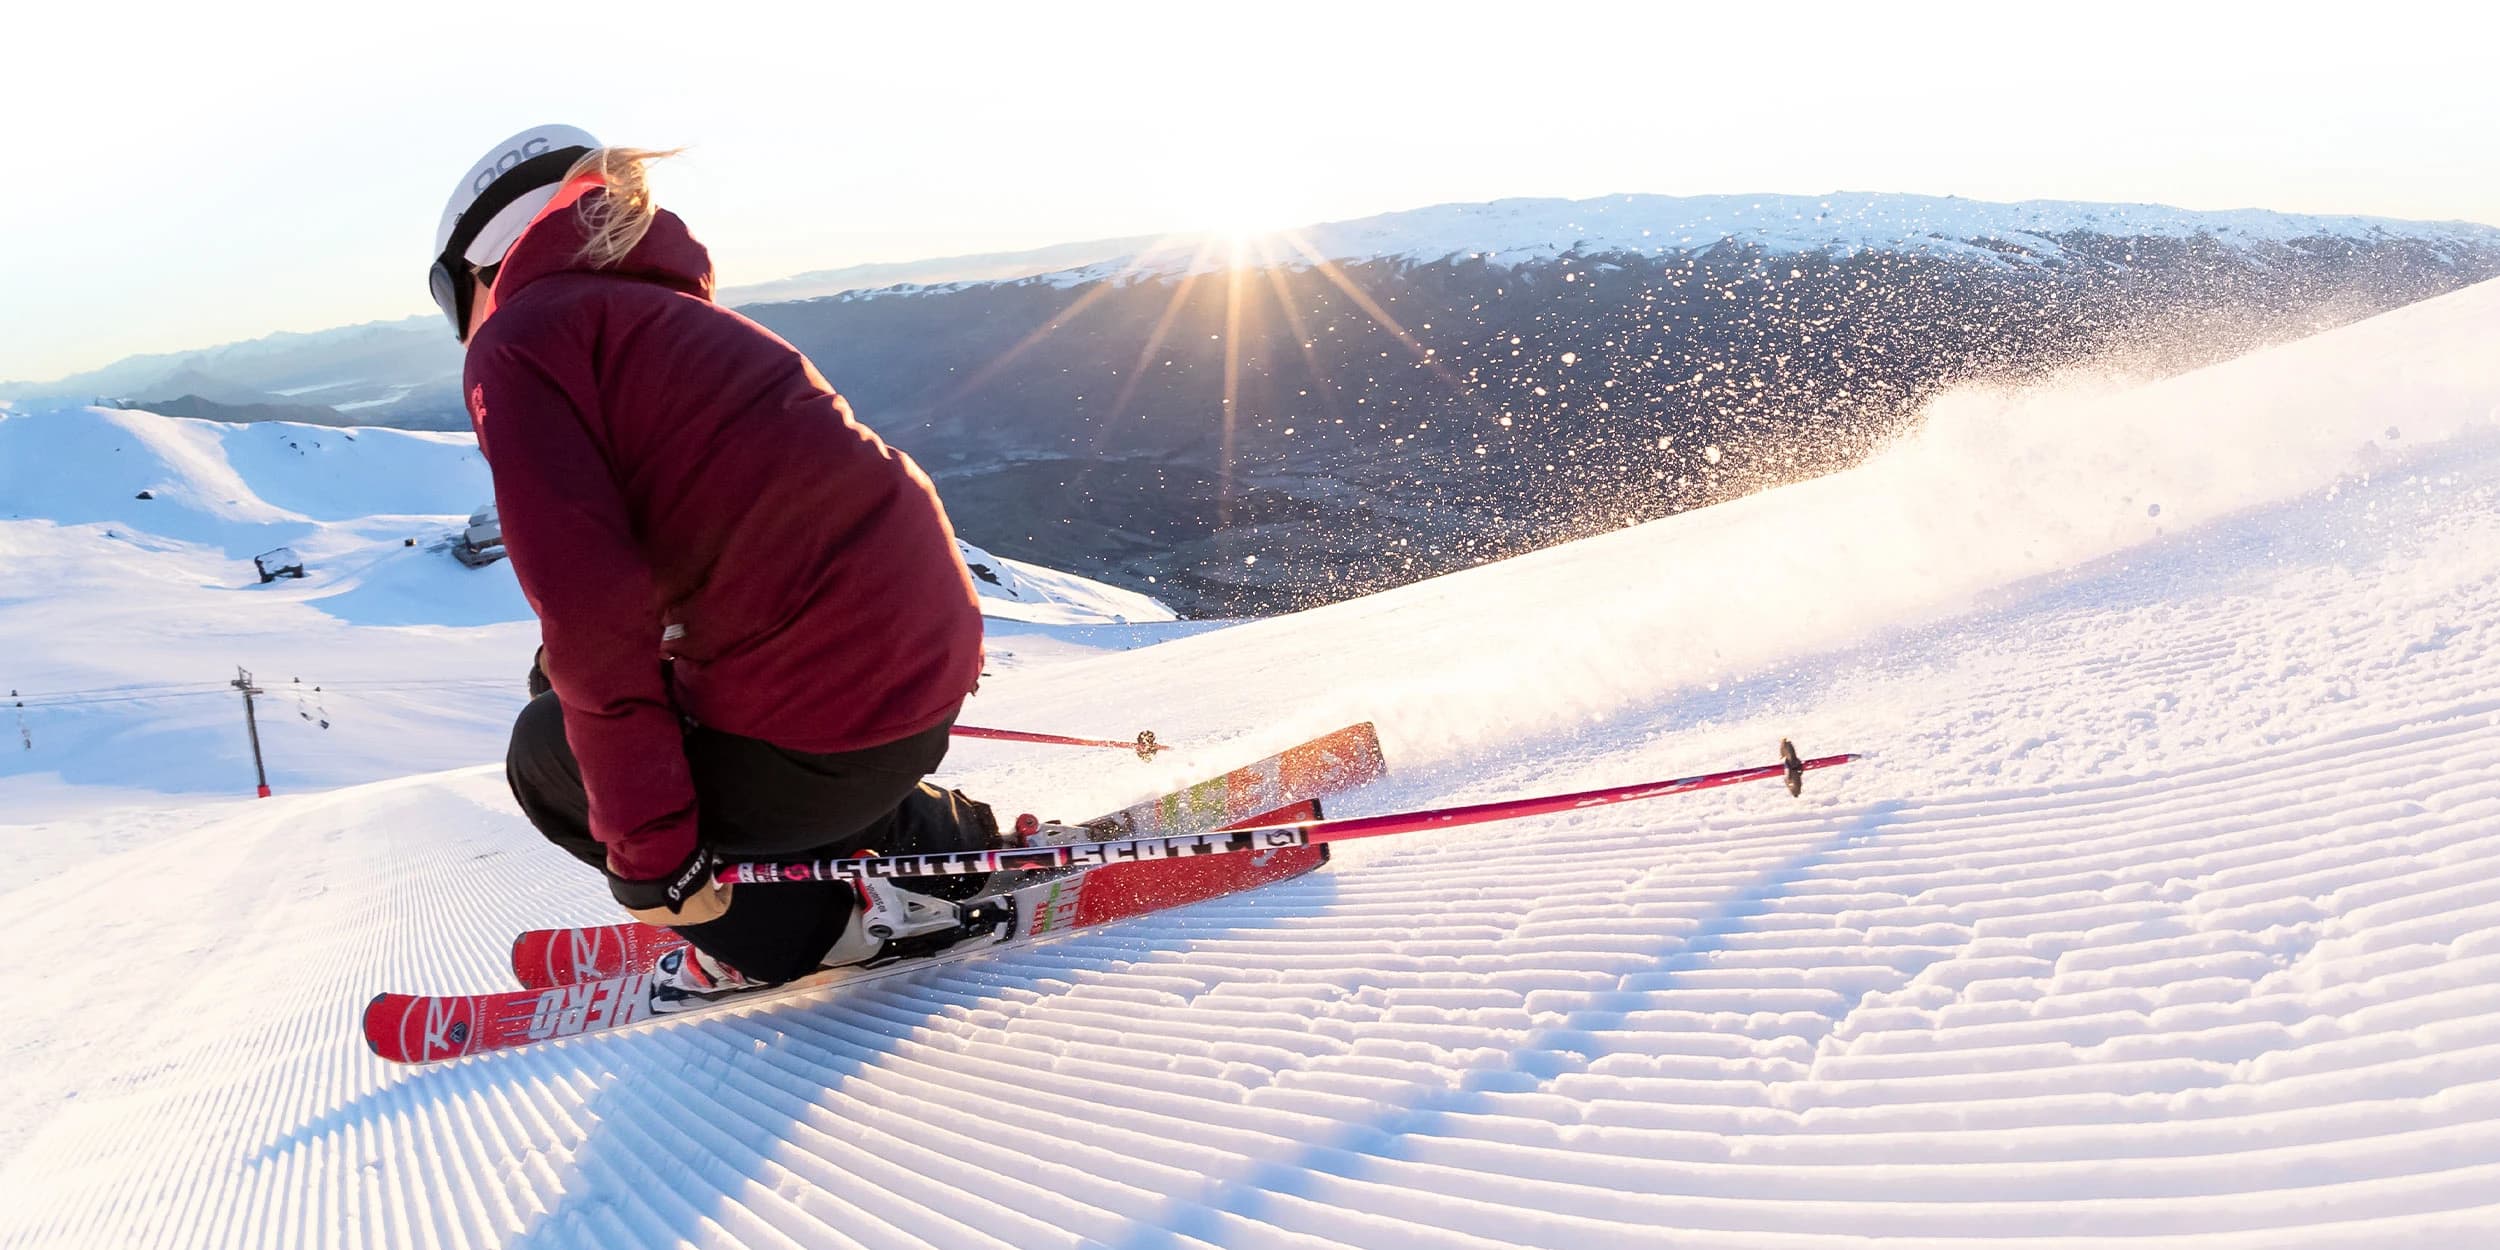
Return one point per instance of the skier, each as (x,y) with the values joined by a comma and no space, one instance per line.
(756,627)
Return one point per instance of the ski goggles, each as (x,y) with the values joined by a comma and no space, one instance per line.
(451,281)
(452,291)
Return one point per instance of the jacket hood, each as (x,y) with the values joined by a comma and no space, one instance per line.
(668,253)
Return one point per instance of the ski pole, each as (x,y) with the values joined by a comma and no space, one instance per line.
(1144,744)
(1277,837)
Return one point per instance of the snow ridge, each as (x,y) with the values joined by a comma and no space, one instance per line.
(376,363)
(1015,590)
(1523,231)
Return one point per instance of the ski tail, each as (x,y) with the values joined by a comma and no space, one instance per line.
(1321,768)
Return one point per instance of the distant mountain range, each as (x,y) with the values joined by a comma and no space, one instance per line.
(406,373)
(1251,425)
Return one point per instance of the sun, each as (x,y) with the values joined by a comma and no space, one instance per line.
(1237,249)
(1236,222)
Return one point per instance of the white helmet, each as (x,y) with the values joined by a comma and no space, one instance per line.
(492,205)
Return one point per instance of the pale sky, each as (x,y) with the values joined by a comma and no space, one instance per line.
(181,175)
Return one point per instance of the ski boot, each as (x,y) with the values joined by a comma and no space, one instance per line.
(686,978)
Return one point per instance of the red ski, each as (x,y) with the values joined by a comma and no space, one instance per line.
(1321,768)
(545,957)
(1076,884)
(418,1028)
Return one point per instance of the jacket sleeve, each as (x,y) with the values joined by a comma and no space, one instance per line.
(572,543)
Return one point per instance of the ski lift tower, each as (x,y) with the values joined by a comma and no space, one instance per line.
(251,722)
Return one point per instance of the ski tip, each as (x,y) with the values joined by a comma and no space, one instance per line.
(1793,768)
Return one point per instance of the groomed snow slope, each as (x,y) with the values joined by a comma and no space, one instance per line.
(2165,913)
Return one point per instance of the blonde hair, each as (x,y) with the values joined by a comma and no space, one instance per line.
(617,220)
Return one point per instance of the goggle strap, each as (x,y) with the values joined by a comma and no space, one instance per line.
(538,171)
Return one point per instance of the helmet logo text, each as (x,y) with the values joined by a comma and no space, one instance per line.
(503,164)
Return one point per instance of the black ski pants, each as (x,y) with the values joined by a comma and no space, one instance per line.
(763,802)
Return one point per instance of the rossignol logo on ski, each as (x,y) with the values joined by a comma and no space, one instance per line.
(446,1026)
(589,946)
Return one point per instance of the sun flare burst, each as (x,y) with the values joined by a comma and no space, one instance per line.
(1251,261)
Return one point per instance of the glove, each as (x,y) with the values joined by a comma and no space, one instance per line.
(683,897)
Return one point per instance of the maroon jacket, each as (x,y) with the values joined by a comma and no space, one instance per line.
(677,481)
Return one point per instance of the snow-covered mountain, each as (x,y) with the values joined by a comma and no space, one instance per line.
(372,369)
(1359,405)
(938,271)
(369,370)
(129,541)
(1356,405)
(2165,910)
(359,372)
(1518,232)
(1014,590)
